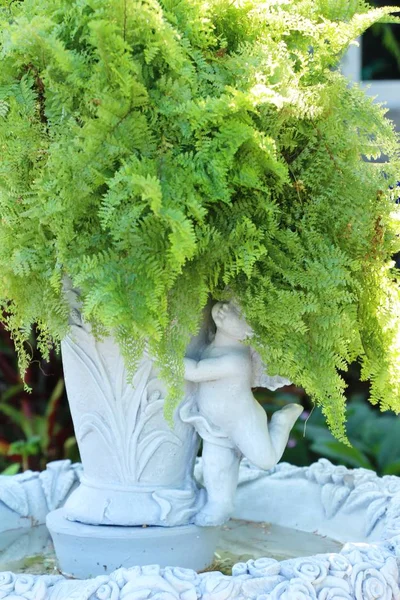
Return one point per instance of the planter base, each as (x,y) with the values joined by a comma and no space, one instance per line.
(85,551)
(95,504)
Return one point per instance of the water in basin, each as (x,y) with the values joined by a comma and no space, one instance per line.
(242,540)
(31,550)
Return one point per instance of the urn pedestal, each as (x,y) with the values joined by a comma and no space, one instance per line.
(137,492)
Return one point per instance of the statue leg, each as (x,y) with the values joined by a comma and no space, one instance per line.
(220,472)
(263,444)
(281,424)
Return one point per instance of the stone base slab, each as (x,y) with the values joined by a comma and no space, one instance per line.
(85,551)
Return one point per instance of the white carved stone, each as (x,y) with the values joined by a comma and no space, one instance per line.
(88,550)
(361,571)
(345,504)
(137,469)
(226,415)
(26,499)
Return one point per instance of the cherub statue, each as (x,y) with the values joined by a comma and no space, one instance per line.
(227,416)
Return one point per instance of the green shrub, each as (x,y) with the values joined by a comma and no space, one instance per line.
(375,440)
(35,428)
(158,152)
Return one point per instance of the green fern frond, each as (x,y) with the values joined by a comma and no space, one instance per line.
(162,153)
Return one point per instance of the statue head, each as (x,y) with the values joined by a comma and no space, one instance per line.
(230,321)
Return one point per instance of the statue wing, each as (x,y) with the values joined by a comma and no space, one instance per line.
(261,377)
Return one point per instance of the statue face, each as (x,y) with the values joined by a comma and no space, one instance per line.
(229,320)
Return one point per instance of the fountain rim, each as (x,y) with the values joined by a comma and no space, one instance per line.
(341,492)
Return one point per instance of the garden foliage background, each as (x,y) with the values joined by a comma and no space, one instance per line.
(36,427)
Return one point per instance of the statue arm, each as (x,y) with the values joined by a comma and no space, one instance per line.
(209,369)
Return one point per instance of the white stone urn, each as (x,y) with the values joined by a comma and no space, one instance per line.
(137,498)
(138,470)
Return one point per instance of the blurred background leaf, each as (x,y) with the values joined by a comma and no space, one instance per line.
(36,427)
(375,437)
(381,49)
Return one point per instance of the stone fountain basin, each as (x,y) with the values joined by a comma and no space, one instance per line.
(320,532)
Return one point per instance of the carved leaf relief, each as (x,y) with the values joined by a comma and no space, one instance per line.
(124,409)
(14,496)
(333,496)
(57,481)
(375,511)
(149,445)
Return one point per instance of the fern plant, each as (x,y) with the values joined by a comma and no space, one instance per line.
(158,152)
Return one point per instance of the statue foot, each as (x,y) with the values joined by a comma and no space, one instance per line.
(287,415)
(213,514)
